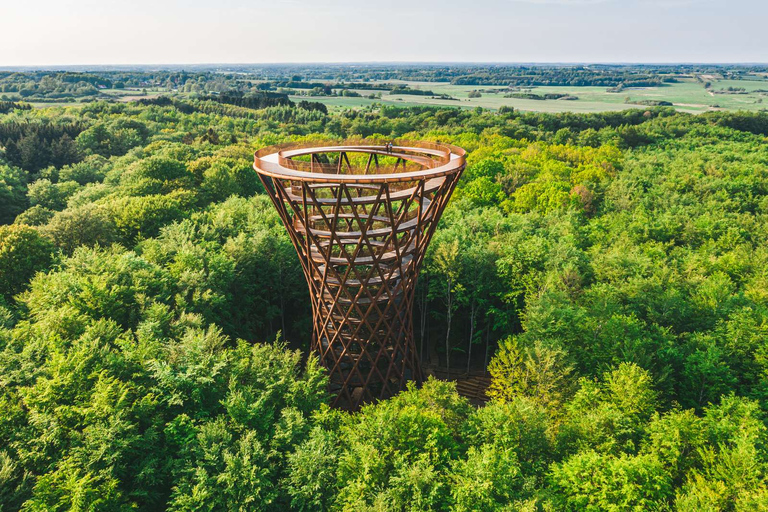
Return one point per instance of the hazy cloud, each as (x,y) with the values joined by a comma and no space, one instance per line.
(657,3)
(249,31)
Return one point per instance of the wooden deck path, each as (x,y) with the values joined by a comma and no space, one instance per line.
(472,386)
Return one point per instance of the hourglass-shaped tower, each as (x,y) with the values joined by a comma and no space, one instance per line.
(361,217)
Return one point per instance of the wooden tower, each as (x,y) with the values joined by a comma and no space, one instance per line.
(361,217)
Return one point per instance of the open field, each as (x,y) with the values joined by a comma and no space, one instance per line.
(686,96)
(123,95)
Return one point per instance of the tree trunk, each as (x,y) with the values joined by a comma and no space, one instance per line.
(421,342)
(473,311)
(448,346)
(487,345)
(282,313)
(423,319)
(449,318)
(281,293)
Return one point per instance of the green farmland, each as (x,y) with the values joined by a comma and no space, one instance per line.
(687,96)
(579,89)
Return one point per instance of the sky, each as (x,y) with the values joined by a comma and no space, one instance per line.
(82,32)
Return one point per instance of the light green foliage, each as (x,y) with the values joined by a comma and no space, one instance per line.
(630,389)
(482,191)
(112,283)
(23,252)
(732,471)
(12,193)
(143,216)
(538,372)
(593,481)
(675,438)
(519,425)
(609,415)
(398,450)
(87,225)
(554,176)
(227,177)
(162,401)
(50,195)
(35,216)
(489,479)
(311,480)
(155,175)
(90,170)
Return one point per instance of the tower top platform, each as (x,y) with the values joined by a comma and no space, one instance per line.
(360,163)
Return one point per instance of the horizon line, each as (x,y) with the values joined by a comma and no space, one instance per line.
(54,67)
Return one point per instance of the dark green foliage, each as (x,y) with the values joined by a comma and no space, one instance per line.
(36,145)
(9,106)
(155,175)
(114,137)
(413,92)
(230,261)
(253,100)
(313,105)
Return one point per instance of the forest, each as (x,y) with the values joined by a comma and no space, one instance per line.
(608,270)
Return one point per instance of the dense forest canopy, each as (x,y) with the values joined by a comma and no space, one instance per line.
(610,270)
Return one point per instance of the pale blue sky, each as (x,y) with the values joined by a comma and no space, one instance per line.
(51,32)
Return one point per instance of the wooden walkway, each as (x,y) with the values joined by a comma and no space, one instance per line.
(472,386)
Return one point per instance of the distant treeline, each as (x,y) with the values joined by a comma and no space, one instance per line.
(203,104)
(647,82)
(649,103)
(564,79)
(489,75)
(52,85)
(347,87)
(252,100)
(8,106)
(329,86)
(329,80)
(413,92)
(534,96)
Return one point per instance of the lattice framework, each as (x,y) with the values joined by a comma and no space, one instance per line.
(360,217)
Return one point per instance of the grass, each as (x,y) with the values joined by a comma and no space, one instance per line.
(124,95)
(686,96)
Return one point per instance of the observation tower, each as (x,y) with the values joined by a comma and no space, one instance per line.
(361,217)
